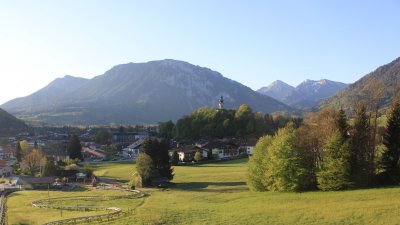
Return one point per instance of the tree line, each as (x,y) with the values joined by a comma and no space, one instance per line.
(329,152)
(212,123)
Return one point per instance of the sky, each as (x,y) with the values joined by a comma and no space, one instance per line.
(252,42)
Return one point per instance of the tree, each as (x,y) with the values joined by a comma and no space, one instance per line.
(18,152)
(362,165)
(102,137)
(197,156)
(163,163)
(25,147)
(144,167)
(158,152)
(166,129)
(390,158)
(257,163)
(175,158)
(50,167)
(335,171)
(32,162)
(74,148)
(341,124)
(284,169)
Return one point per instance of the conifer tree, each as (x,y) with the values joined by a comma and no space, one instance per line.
(18,152)
(341,124)
(391,139)
(361,149)
(158,152)
(74,148)
(335,171)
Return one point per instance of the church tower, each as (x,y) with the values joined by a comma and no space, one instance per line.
(221,103)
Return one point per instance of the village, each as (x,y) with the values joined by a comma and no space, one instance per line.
(120,146)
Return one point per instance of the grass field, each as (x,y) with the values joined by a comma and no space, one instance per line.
(217,194)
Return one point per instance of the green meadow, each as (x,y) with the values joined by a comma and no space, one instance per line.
(217,194)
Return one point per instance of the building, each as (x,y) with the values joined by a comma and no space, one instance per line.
(132,150)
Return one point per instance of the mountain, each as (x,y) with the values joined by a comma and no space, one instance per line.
(306,95)
(137,93)
(379,84)
(278,90)
(9,124)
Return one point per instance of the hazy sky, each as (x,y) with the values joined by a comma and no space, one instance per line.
(253,42)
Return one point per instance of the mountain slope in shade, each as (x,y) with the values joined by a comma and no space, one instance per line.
(9,124)
(379,83)
(142,93)
(306,95)
(278,90)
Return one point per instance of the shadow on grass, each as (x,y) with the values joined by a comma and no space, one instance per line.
(211,186)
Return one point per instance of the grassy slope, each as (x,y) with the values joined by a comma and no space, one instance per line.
(217,194)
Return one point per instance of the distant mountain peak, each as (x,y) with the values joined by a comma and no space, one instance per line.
(306,95)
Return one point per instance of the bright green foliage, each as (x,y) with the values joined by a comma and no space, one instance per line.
(25,147)
(144,167)
(257,164)
(74,148)
(335,171)
(362,165)
(284,164)
(197,156)
(390,158)
(212,123)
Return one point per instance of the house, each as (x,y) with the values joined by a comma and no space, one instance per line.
(222,148)
(246,146)
(132,150)
(91,153)
(6,167)
(186,152)
(35,182)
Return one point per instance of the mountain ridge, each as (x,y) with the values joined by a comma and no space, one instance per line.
(138,93)
(377,86)
(306,95)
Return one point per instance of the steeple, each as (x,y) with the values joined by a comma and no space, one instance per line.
(221,103)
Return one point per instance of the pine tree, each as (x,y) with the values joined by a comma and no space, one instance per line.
(361,150)
(391,139)
(18,152)
(163,165)
(335,171)
(158,152)
(74,148)
(341,124)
